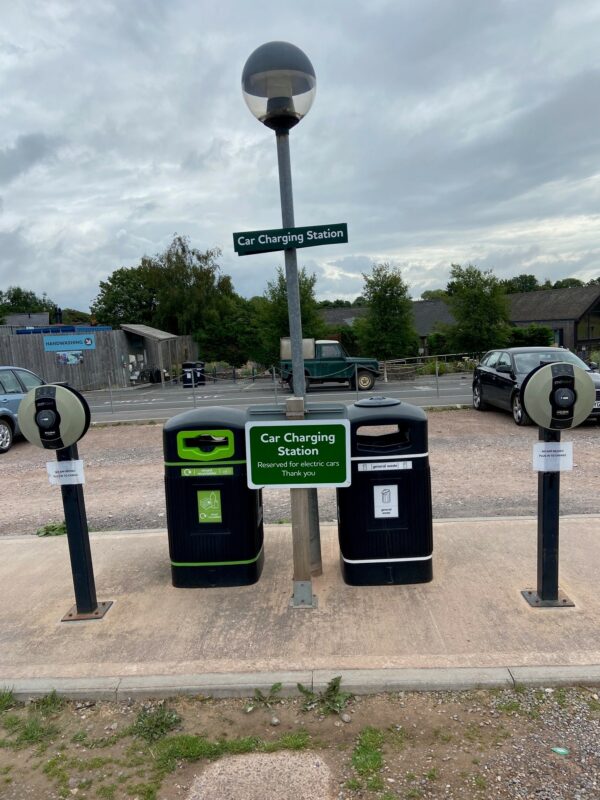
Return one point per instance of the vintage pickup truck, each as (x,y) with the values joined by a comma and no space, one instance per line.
(326,361)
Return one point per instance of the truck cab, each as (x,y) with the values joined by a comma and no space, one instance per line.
(326,361)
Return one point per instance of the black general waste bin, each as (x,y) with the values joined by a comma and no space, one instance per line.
(187,380)
(385,517)
(215,522)
(199,376)
(193,374)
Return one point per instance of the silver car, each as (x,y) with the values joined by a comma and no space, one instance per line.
(15,382)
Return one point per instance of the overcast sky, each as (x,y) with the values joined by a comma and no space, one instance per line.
(443,131)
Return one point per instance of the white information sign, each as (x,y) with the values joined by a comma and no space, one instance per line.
(553,456)
(61,473)
(385,501)
(384,466)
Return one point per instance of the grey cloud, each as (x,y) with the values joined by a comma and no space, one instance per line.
(28,150)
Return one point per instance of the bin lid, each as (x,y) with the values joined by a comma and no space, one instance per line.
(377,401)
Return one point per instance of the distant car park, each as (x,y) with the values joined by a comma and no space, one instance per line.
(15,382)
(498,377)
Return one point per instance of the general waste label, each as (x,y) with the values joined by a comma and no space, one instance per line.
(247,243)
(298,455)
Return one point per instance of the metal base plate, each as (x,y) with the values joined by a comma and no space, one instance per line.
(73,616)
(535,600)
(303,596)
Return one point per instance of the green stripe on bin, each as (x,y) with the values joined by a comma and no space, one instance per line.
(195,463)
(216,563)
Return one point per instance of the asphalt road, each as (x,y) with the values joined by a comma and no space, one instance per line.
(153,402)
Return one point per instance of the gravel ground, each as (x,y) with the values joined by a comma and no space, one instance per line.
(512,744)
(481,465)
(476,745)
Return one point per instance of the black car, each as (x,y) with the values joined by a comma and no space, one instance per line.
(498,377)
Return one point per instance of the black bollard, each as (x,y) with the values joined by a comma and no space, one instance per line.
(548,595)
(86,605)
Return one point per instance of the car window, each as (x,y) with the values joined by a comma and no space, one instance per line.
(491,358)
(525,362)
(503,360)
(330,351)
(28,379)
(10,383)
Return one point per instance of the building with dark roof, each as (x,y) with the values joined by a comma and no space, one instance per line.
(573,315)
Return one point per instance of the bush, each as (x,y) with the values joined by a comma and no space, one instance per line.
(532,336)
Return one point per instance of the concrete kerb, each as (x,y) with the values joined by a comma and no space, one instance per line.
(360,682)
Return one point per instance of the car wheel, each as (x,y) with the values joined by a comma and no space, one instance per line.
(479,403)
(365,380)
(6,436)
(519,415)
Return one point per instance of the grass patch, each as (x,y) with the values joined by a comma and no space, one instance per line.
(56,770)
(7,700)
(52,529)
(480,782)
(560,696)
(366,757)
(189,747)
(154,723)
(31,730)
(510,707)
(143,791)
(49,705)
(35,731)
(375,783)
(441,735)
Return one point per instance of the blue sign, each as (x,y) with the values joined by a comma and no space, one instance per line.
(58,343)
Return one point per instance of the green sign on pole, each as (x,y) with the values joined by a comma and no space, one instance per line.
(246,243)
(298,455)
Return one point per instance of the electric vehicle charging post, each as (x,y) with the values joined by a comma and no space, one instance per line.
(557,397)
(55,418)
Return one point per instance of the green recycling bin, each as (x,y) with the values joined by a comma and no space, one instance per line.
(214,521)
(385,516)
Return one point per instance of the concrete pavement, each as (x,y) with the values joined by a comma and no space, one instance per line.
(469,627)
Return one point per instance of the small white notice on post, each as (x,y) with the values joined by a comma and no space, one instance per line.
(553,456)
(62,473)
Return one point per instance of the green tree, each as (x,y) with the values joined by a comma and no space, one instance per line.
(567,283)
(434,294)
(130,294)
(387,330)
(334,304)
(227,329)
(71,316)
(180,290)
(22,301)
(521,283)
(271,320)
(170,290)
(479,306)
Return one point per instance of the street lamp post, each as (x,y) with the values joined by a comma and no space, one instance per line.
(279,86)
